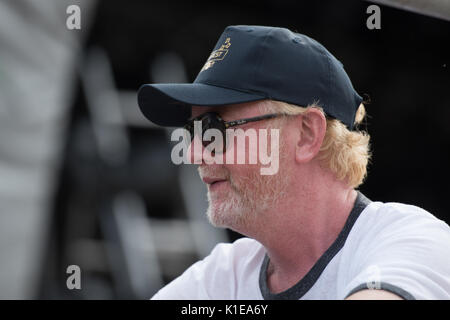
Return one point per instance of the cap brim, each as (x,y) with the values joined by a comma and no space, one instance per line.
(169,104)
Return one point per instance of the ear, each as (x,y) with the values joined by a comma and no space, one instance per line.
(313,126)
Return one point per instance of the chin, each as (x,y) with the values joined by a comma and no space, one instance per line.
(219,215)
(228,214)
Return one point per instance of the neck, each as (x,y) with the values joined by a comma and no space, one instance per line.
(300,229)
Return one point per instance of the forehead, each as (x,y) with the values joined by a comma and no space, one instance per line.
(232,111)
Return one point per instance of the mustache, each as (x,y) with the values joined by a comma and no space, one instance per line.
(214,171)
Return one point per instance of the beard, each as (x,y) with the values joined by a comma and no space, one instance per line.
(246,196)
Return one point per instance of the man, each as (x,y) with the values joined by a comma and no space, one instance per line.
(310,234)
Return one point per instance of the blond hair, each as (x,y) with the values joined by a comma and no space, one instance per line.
(346,153)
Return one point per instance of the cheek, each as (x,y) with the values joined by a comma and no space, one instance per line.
(243,147)
(243,174)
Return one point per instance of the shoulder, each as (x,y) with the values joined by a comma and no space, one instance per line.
(212,277)
(393,226)
(234,258)
(404,246)
(387,219)
(242,245)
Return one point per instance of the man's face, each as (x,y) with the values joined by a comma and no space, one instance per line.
(237,193)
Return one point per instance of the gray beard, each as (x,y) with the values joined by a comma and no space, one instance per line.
(240,207)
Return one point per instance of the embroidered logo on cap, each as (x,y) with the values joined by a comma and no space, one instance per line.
(217,55)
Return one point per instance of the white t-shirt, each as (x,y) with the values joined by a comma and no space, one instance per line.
(391,246)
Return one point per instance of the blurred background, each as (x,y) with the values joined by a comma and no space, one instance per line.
(85,180)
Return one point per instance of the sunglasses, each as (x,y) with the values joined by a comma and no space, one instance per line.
(211,120)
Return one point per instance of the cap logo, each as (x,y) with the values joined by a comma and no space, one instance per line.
(217,55)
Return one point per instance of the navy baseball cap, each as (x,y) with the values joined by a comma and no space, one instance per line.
(251,63)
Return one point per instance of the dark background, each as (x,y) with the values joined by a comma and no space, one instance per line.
(403,70)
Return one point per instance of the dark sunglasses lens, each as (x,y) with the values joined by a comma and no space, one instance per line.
(209,121)
(214,122)
(189,132)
